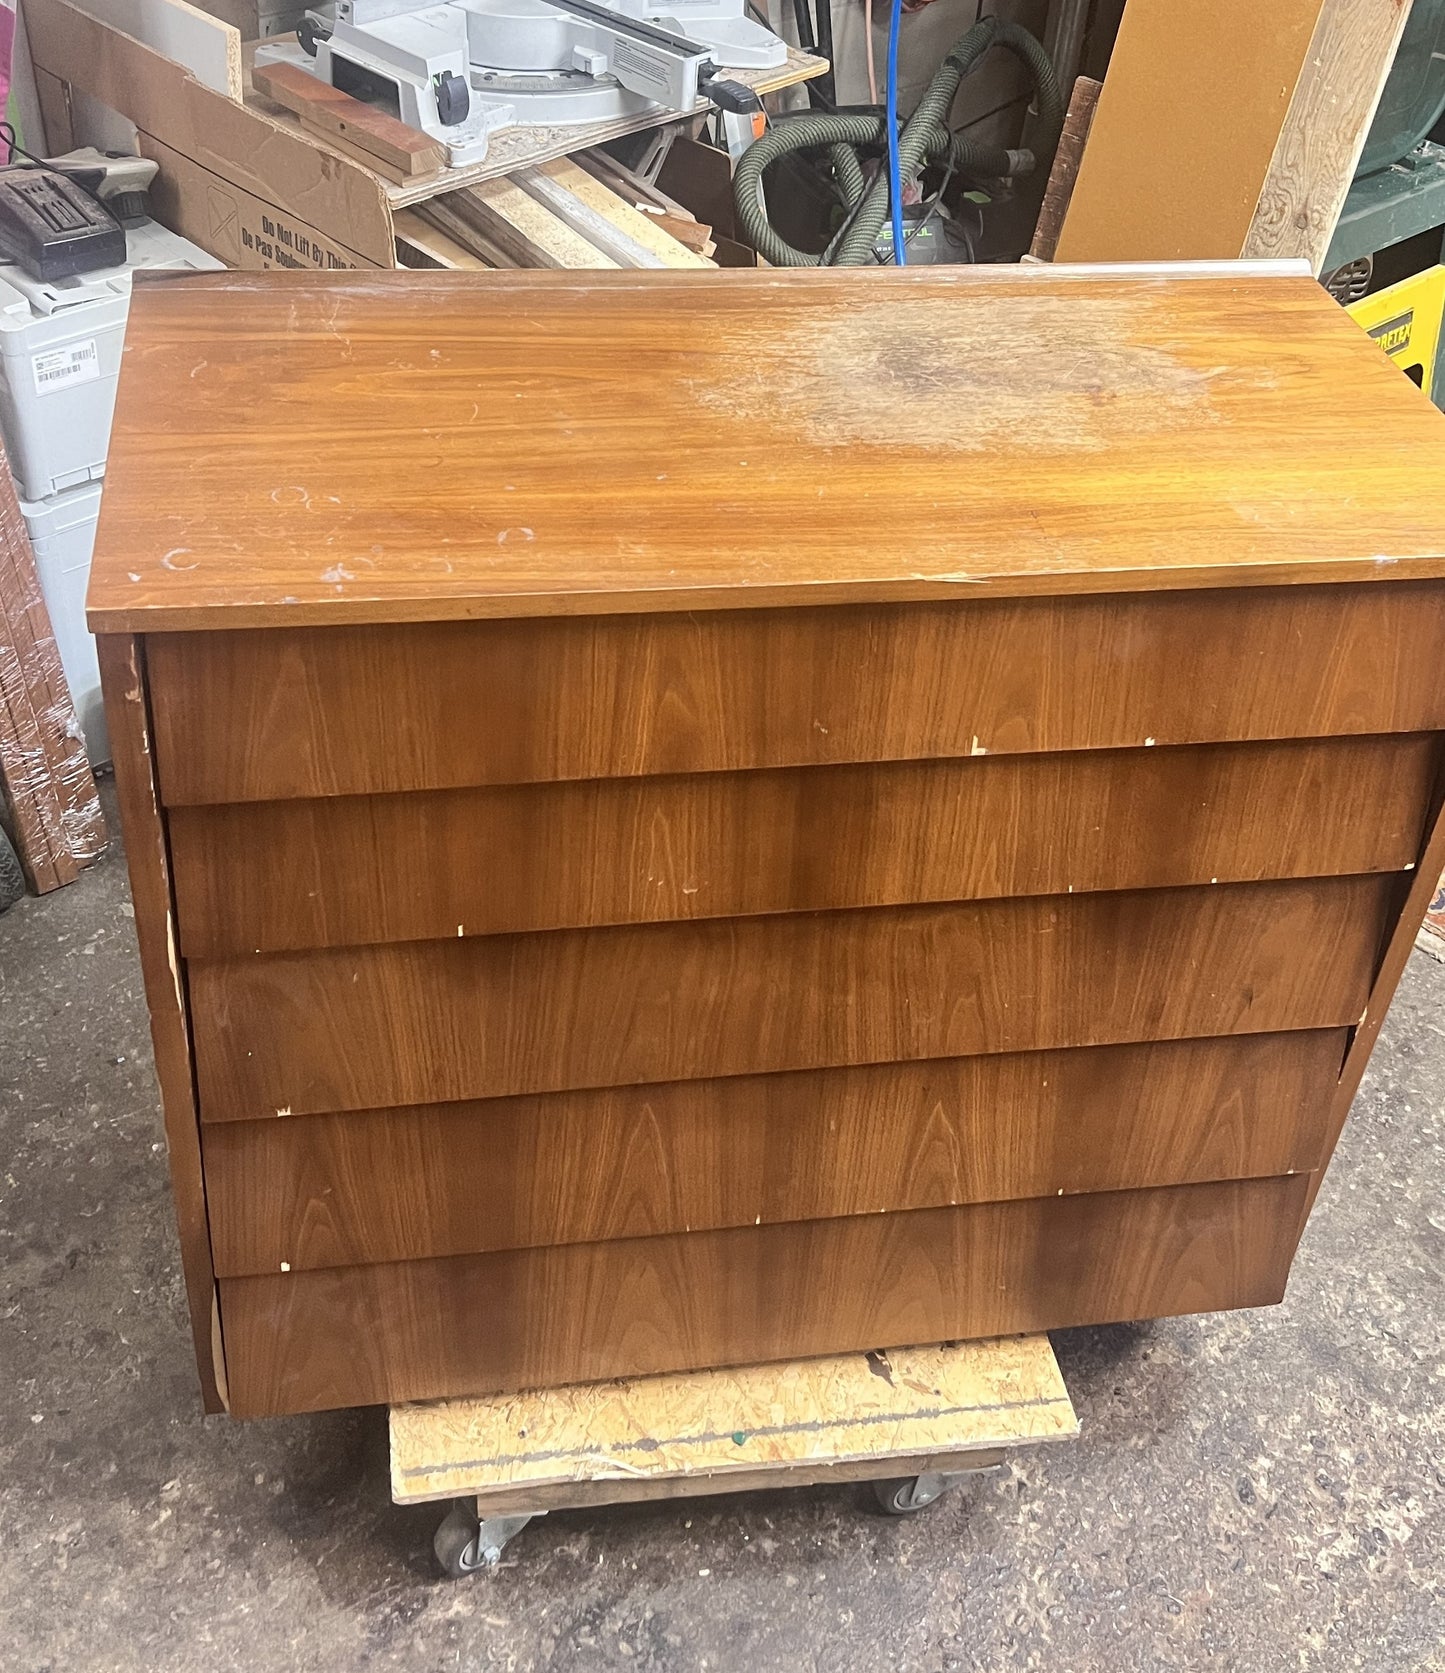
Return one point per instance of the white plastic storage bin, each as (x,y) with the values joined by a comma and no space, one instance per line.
(62,531)
(60,343)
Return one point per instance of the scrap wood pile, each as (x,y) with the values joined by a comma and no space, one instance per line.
(580,211)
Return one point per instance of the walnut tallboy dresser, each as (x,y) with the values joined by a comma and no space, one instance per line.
(688,819)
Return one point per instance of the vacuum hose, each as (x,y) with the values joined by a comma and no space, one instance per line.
(926,138)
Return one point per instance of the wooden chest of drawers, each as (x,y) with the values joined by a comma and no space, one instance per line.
(684,821)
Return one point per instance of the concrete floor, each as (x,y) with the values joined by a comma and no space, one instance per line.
(1251,1491)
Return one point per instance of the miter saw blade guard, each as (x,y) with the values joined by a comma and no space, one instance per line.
(462,69)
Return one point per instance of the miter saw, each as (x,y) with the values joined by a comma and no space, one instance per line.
(461,69)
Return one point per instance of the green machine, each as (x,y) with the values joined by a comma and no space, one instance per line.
(1399,186)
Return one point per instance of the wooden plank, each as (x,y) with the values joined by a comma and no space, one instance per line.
(603,218)
(1065,171)
(530,232)
(1262,113)
(436,213)
(1319,147)
(601,165)
(45,777)
(472,1177)
(207,47)
(619,1490)
(960,1398)
(690,232)
(359,1028)
(358,154)
(276,876)
(269,715)
(434,246)
(122,676)
(363,126)
(584,220)
(1252,434)
(307,1341)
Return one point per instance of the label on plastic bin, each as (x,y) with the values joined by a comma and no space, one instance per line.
(57,368)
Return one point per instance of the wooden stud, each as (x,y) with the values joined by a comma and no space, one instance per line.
(528,231)
(373,134)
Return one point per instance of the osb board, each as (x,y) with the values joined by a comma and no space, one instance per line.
(910,1403)
(514,148)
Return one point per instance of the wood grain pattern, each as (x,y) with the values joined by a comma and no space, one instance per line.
(419,1330)
(1429,869)
(1334,102)
(595,210)
(123,683)
(455,1179)
(536,444)
(274,876)
(365,1027)
(1079,118)
(370,130)
(529,232)
(267,715)
(1197,94)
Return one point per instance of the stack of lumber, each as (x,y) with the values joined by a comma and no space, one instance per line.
(555,213)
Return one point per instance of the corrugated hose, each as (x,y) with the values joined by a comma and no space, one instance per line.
(926,138)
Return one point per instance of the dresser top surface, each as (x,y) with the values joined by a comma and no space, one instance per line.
(292,449)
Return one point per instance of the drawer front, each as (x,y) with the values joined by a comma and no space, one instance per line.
(345,870)
(271,715)
(579,1167)
(423,1022)
(421,1330)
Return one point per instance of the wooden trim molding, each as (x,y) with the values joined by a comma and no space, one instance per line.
(122,675)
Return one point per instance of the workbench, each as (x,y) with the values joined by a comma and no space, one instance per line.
(692,819)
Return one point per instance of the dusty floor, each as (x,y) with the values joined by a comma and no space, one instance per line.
(1255,1492)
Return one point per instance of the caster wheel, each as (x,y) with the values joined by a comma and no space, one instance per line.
(908,1494)
(458,1543)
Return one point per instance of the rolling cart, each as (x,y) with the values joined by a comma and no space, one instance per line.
(910,1421)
